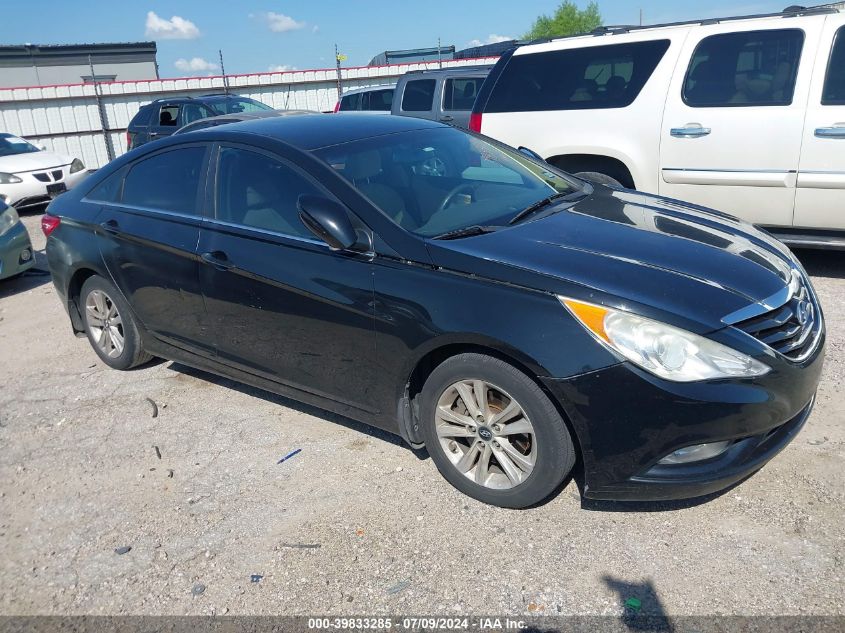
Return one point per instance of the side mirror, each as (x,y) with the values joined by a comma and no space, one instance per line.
(531,154)
(328,220)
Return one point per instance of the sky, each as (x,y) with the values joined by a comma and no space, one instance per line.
(262,35)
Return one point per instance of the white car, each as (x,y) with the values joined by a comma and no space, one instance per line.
(745,115)
(31,176)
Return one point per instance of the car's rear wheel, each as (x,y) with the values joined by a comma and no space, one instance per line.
(493,433)
(110,325)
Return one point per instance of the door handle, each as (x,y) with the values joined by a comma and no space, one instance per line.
(690,130)
(110,226)
(447,119)
(831,132)
(217,259)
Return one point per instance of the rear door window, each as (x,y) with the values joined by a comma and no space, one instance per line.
(754,68)
(594,77)
(168,181)
(834,83)
(459,93)
(381,100)
(168,116)
(418,95)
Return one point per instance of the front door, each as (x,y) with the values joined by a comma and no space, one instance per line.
(148,238)
(732,126)
(284,306)
(820,199)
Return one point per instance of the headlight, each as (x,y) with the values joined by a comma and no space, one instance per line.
(76,166)
(8,219)
(8,179)
(663,350)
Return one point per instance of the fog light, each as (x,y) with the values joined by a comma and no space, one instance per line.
(26,255)
(695,453)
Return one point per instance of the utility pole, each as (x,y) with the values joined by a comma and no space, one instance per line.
(223,70)
(641,17)
(337,61)
(439,56)
(102,111)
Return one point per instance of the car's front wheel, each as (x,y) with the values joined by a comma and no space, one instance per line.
(493,433)
(110,325)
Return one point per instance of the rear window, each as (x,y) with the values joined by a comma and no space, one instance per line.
(754,68)
(168,181)
(834,83)
(595,77)
(381,100)
(459,93)
(419,95)
(351,102)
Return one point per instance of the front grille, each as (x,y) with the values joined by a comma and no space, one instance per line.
(57,174)
(43,177)
(792,328)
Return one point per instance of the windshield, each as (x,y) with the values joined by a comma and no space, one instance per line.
(238,104)
(11,145)
(440,180)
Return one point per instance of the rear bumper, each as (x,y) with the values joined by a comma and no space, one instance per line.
(13,247)
(626,421)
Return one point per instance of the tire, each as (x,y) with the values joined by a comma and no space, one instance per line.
(115,338)
(601,179)
(546,454)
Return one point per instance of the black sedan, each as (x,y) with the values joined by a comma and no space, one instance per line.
(513,320)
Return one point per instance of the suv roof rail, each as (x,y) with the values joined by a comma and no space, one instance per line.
(617,29)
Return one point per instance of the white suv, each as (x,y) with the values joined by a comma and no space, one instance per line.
(745,115)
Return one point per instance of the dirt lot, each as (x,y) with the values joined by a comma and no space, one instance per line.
(356,523)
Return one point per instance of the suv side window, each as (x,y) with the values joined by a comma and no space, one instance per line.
(588,78)
(381,100)
(460,93)
(168,115)
(834,83)
(351,102)
(168,181)
(261,192)
(418,95)
(753,68)
(194,112)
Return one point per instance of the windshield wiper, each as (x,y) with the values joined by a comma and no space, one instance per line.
(540,204)
(467,231)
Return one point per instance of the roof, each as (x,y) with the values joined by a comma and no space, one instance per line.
(321,130)
(20,55)
(369,89)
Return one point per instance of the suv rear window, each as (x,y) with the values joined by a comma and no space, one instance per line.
(834,83)
(754,68)
(460,93)
(418,95)
(594,77)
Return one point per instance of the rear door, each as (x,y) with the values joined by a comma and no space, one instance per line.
(284,306)
(148,239)
(820,199)
(418,98)
(733,123)
(457,97)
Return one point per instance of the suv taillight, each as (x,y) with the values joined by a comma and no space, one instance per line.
(337,106)
(128,140)
(475,122)
(49,223)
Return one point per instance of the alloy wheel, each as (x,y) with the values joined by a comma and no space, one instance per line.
(486,434)
(105,323)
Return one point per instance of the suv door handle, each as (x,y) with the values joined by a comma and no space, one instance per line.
(217,259)
(110,226)
(447,119)
(831,132)
(690,130)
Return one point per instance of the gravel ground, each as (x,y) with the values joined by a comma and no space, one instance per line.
(356,523)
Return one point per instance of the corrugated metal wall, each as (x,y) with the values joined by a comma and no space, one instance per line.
(65,119)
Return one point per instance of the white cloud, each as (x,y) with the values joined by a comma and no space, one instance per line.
(175,28)
(194,65)
(491,39)
(280,68)
(281,23)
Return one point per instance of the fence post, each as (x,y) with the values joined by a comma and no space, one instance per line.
(102,110)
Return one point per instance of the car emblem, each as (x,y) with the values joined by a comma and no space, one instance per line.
(804,312)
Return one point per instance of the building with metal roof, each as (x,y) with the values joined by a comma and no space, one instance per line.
(411,55)
(46,65)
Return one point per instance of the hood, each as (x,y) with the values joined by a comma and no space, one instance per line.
(33,161)
(624,247)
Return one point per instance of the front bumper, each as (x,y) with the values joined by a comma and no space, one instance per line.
(32,192)
(627,420)
(13,246)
